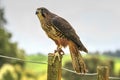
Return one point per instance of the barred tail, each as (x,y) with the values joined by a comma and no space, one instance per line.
(77,60)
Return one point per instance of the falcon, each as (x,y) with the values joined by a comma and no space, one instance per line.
(63,34)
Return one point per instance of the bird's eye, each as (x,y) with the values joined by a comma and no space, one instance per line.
(43,12)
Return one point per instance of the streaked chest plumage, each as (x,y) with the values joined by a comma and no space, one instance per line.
(52,32)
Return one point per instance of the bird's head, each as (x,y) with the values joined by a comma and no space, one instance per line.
(42,12)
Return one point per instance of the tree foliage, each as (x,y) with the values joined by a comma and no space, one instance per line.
(7,47)
(110,53)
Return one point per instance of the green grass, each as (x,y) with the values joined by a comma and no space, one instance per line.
(65,59)
(36,67)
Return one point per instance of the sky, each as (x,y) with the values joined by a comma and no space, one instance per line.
(97,22)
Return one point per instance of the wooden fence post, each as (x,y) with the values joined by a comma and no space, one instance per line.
(54,68)
(103,73)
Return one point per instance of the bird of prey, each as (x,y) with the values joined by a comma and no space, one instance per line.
(63,34)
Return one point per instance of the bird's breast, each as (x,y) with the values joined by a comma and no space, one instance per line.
(52,32)
(55,35)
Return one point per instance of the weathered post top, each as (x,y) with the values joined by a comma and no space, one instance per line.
(54,67)
(103,73)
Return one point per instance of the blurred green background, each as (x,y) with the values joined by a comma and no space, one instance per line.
(18,70)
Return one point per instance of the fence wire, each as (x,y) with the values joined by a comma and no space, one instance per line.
(13,58)
(38,62)
(87,74)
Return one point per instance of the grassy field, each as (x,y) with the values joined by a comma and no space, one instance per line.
(37,67)
(43,67)
(41,58)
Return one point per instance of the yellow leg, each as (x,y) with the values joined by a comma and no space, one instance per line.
(58,53)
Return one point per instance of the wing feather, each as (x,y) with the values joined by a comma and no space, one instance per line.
(65,28)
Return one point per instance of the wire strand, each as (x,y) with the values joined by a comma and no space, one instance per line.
(114,78)
(87,74)
(7,57)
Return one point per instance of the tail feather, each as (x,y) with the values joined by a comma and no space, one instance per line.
(77,60)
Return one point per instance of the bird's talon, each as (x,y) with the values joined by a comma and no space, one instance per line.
(56,54)
(55,51)
(60,51)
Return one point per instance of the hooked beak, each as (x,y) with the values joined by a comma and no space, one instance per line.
(36,12)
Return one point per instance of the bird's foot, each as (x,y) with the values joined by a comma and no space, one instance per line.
(58,53)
